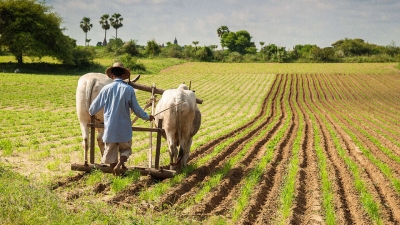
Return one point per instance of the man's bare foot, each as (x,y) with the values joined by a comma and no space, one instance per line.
(121,163)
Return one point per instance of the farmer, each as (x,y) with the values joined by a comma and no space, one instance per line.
(117,98)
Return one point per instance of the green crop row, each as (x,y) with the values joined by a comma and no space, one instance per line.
(366,198)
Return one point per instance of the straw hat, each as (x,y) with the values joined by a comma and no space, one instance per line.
(126,74)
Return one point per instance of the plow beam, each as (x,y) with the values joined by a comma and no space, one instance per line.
(160,173)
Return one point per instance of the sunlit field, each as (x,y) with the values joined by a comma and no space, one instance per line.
(278,142)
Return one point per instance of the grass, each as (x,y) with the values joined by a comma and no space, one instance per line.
(24,202)
(6,147)
(120,183)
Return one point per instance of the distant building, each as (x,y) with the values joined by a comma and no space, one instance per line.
(175,41)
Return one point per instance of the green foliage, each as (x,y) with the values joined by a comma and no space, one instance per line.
(116,22)
(132,63)
(234,57)
(204,54)
(237,42)
(219,55)
(356,47)
(129,48)
(302,52)
(222,30)
(29,28)
(104,22)
(274,53)
(24,202)
(152,49)
(6,147)
(322,54)
(120,183)
(172,51)
(113,45)
(82,56)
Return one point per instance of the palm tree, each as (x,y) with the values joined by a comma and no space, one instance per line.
(86,25)
(105,25)
(116,20)
(222,30)
(213,47)
(262,44)
(195,44)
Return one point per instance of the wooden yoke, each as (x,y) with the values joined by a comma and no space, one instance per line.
(156,90)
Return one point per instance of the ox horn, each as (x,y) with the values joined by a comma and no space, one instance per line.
(136,78)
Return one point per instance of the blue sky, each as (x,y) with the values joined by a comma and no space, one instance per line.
(284,23)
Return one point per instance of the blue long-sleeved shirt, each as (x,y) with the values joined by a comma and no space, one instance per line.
(117,98)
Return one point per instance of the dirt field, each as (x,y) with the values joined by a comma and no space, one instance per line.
(337,141)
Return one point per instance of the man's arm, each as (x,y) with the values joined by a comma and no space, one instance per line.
(134,105)
(97,104)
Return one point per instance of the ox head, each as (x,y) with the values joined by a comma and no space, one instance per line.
(183,87)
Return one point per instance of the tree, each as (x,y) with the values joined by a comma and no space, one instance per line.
(303,52)
(30,28)
(262,44)
(129,48)
(152,48)
(322,54)
(195,44)
(222,30)
(105,25)
(86,26)
(116,22)
(239,41)
(352,47)
(204,54)
(213,47)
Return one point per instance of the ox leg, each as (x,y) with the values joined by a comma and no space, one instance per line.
(185,147)
(85,142)
(186,152)
(100,142)
(173,152)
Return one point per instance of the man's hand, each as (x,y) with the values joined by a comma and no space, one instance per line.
(151,118)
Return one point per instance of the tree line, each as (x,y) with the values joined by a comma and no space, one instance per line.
(238,47)
(106,22)
(30,28)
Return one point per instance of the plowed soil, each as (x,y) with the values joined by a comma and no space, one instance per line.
(359,114)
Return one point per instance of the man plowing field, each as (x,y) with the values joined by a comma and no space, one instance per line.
(117,98)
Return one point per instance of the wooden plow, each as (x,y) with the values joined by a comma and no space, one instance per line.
(157,170)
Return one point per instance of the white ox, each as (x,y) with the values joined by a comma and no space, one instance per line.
(89,86)
(181,121)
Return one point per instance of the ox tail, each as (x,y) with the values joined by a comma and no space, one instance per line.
(89,90)
(178,123)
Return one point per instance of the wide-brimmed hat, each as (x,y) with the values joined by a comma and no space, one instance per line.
(126,74)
